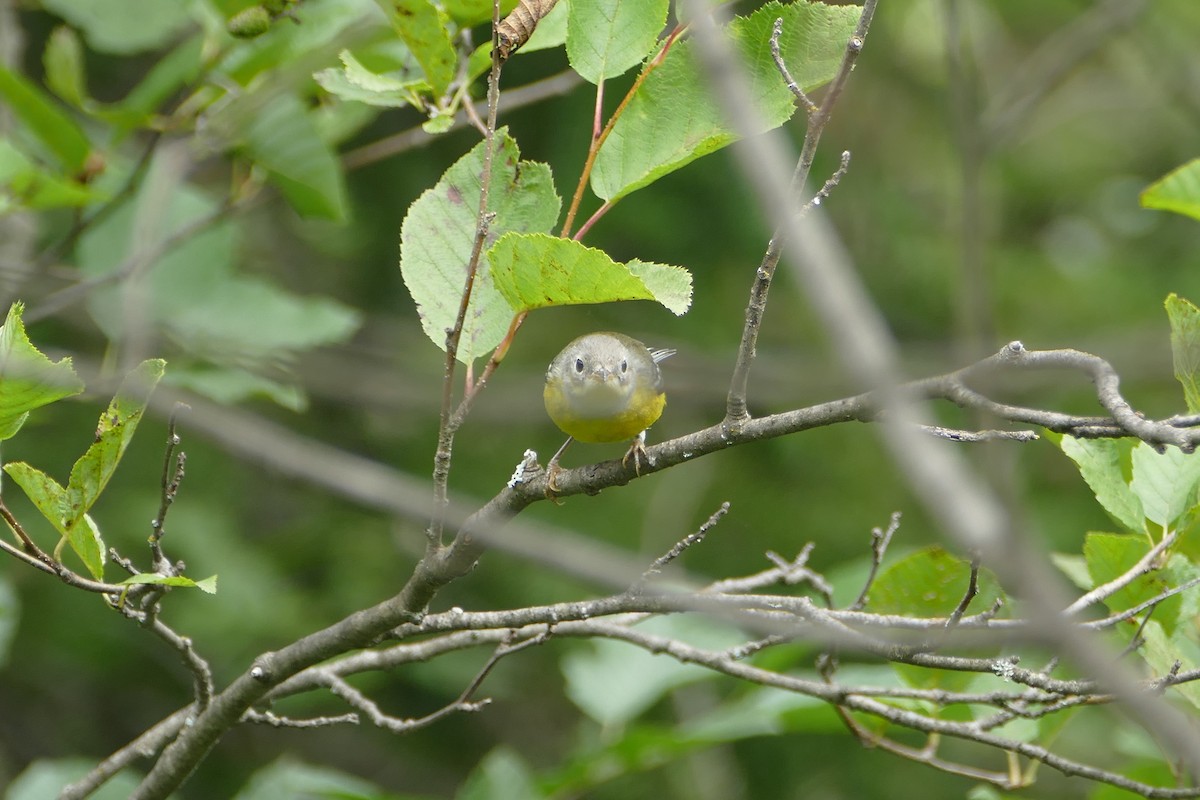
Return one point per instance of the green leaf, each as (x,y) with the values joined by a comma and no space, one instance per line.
(1165,483)
(122,27)
(63,62)
(244,319)
(67,509)
(1101,462)
(283,139)
(117,425)
(355,82)
(1184,317)
(425,30)
(28,379)
(230,386)
(25,185)
(1161,650)
(207,585)
(46,778)
(1074,566)
(1178,191)
(536,270)
(607,37)
(930,583)
(473,12)
(52,127)
(55,504)
(501,775)
(181,65)
(439,231)
(289,778)
(673,120)
(1110,555)
(613,682)
(48,495)
(551,32)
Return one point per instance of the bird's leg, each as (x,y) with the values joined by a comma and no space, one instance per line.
(637,451)
(552,469)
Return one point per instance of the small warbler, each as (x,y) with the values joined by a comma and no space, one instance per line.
(605,387)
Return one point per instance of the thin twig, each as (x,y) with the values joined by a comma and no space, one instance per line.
(683,544)
(880,539)
(736,410)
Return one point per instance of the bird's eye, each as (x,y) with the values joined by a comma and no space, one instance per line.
(579,365)
(624,366)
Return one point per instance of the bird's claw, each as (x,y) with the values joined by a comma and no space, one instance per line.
(637,451)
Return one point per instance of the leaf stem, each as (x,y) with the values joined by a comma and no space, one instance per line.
(598,138)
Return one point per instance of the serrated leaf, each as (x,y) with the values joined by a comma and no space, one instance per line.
(607,37)
(1100,463)
(673,119)
(207,585)
(439,230)
(63,62)
(1178,191)
(45,120)
(96,466)
(1165,483)
(283,139)
(425,30)
(1184,317)
(537,270)
(28,379)
(1110,555)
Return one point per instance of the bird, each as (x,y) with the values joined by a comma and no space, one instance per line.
(605,387)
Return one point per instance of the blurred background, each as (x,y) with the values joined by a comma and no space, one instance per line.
(998,150)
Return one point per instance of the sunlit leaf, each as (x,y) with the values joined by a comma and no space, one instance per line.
(1104,464)
(28,379)
(424,29)
(117,425)
(607,37)
(1178,191)
(1111,555)
(439,231)
(1165,482)
(673,119)
(538,270)
(207,585)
